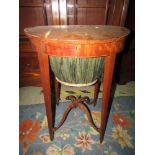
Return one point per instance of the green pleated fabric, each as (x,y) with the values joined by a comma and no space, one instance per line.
(77,70)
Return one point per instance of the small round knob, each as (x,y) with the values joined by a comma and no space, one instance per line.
(28,65)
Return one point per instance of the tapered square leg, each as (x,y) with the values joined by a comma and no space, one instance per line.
(107,80)
(45,78)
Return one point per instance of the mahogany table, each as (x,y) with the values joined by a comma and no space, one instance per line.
(80,41)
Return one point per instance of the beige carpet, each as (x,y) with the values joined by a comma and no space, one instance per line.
(33,95)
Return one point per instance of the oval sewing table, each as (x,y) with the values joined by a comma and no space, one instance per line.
(77,41)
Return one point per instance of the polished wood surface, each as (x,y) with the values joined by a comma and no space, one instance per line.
(80,40)
(45,79)
(78,33)
(77,41)
(107,80)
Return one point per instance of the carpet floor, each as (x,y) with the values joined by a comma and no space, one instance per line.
(76,136)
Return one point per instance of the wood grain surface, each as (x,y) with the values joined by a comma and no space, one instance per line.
(79,40)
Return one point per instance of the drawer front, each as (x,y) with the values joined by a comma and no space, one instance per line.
(31,2)
(29,72)
(28,61)
(26,46)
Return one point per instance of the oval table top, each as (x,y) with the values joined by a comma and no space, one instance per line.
(79,40)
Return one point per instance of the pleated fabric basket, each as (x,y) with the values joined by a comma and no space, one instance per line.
(77,71)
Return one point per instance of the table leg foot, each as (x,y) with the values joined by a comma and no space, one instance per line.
(102,132)
(101,138)
(51,136)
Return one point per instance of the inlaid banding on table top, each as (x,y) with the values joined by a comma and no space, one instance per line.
(78,33)
(78,40)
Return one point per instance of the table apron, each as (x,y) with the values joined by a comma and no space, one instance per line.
(83,50)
